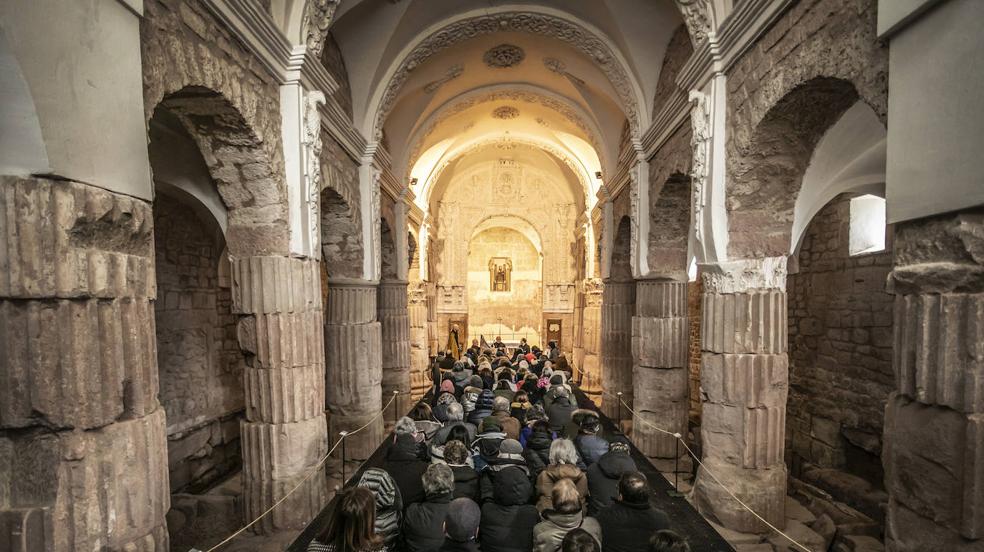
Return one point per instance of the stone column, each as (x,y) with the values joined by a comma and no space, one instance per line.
(83,453)
(591,339)
(659,346)
(353,346)
(419,358)
(284,433)
(934,422)
(433,336)
(395,322)
(744,378)
(617,306)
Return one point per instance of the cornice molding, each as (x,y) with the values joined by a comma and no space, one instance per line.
(673,114)
(340,128)
(739,31)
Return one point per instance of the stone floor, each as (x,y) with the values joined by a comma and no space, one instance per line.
(813,518)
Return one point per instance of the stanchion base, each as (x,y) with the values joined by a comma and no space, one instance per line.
(675,494)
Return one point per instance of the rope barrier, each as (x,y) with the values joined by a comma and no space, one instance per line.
(316,469)
(714,477)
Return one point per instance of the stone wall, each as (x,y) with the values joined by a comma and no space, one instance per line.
(678,51)
(818,58)
(840,349)
(669,205)
(199,359)
(341,219)
(331,58)
(511,314)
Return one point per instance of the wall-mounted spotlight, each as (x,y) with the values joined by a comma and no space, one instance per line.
(413,181)
(598,175)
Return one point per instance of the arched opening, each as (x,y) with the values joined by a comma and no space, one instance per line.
(505,286)
(387,252)
(341,243)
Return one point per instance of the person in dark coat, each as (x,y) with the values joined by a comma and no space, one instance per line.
(603,475)
(508,519)
(630,516)
(537,452)
(487,443)
(404,464)
(483,407)
(389,506)
(560,410)
(455,415)
(510,458)
(457,456)
(445,360)
(589,444)
(423,522)
(461,526)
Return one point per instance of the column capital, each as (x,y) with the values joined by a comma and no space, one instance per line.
(744,275)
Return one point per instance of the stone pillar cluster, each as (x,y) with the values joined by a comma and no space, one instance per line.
(395,322)
(433,335)
(659,345)
(617,305)
(83,454)
(419,357)
(283,434)
(354,370)
(934,421)
(744,378)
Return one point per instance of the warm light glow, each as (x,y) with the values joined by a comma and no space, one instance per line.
(867,224)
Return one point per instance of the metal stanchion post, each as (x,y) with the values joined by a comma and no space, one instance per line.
(618,400)
(676,469)
(396,406)
(342,436)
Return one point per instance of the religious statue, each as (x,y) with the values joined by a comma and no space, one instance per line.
(500,269)
(454,342)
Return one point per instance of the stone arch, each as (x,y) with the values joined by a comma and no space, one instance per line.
(669,228)
(341,246)
(246,179)
(22,146)
(413,255)
(621,267)
(765,179)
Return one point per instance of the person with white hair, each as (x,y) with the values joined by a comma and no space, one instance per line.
(563,465)
(560,409)
(405,460)
(423,522)
(456,417)
(501,408)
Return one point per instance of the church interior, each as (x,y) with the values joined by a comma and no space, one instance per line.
(235,235)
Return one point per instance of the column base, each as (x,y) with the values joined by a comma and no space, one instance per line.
(763,490)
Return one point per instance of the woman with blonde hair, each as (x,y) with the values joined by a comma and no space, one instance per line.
(351,527)
(563,466)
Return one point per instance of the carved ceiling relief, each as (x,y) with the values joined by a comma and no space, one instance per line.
(504,56)
(696,17)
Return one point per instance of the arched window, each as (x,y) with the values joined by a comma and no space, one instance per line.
(867,225)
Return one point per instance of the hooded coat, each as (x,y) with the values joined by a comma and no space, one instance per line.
(483,407)
(623,522)
(603,478)
(389,505)
(510,425)
(589,444)
(508,519)
(405,466)
(489,478)
(465,482)
(554,473)
(423,523)
(537,452)
(549,533)
(441,436)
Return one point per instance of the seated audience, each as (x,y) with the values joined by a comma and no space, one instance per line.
(566,514)
(389,505)
(629,516)
(423,522)
(351,525)
(563,466)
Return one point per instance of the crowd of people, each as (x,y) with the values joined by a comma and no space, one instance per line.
(501,460)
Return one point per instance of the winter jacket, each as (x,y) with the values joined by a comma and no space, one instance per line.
(518,410)
(428,427)
(423,523)
(465,482)
(559,413)
(510,425)
(317,546)
(508,519)
(389,505)
(441,436)
(455,546)
(549,533)
(603,478)
(487,445)
(590,447)
(551,475)
(483,407)
(622,523)
(460,377)
(488,479)
(405,466)
(537,452)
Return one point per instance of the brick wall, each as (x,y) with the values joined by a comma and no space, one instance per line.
(199,360)
(840,350)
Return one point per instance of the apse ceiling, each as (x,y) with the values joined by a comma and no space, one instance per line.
(436,79)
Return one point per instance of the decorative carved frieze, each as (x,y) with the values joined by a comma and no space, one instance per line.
(317,19)
(452,73)
(696,17)
(505,112)
(558,297)
(700,142)
(503,56)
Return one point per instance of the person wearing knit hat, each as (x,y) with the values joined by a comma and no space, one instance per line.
(487,442)
(510,457)
(461,526)
(604,475)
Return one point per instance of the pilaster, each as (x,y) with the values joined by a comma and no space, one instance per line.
(617,306)
(395,321)
(419,342)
